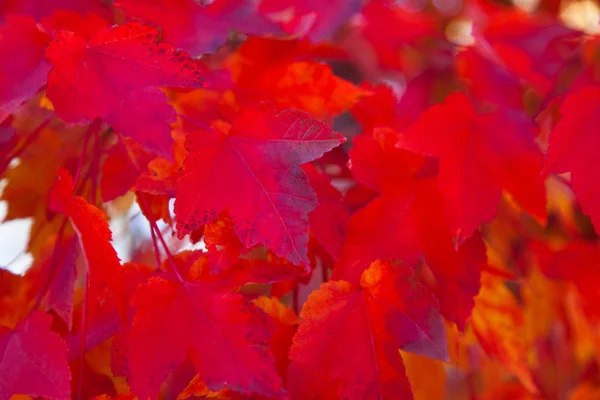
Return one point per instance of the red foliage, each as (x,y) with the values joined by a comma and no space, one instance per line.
(380,205)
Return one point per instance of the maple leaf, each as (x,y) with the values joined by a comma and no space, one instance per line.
(259,188)
(24,68)
(227,338)
(34,360)
(116,75)
(389,310)
(254,172)
(405,228)
(407,223)
(313,88)
(533,47)
(480,156)
(265,69)
(104,266)
(199,28)
(573,147)
(380,22)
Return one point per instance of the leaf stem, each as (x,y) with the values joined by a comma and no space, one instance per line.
(159,234)
(155,245)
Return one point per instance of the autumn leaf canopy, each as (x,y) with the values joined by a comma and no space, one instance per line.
(286,199)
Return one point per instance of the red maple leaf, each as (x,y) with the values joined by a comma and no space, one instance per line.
(23,69)
(407,223)
(574,145)
(103,265)
(254,172)
(410,228)
(451,110)
(380,20)
(532,46)
(275,70)
(116,75)
(226,336)
(34,360)
(480,156)
(199,28)
(388,311)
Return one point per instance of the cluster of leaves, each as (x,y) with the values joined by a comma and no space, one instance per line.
(361,200)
